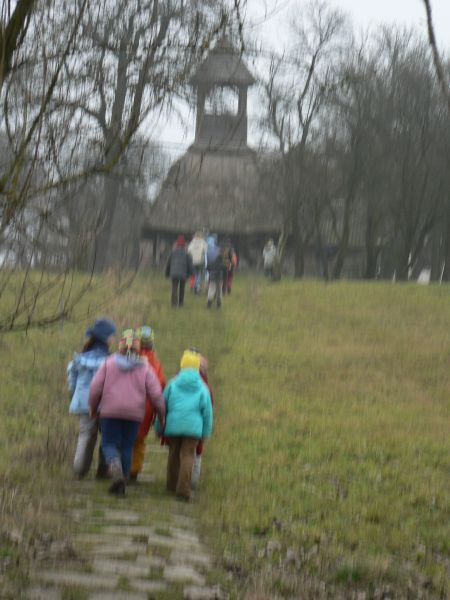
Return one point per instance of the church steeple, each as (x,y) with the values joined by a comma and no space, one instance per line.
(221,82)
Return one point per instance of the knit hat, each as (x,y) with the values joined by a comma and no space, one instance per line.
(129,341)
(146,335)
(190,360)
(101,330)
(181,240)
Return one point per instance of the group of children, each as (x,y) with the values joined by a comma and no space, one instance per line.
(120,395)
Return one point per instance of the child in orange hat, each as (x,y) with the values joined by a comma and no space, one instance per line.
(146,337)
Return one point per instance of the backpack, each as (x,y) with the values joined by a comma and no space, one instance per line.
(227,258)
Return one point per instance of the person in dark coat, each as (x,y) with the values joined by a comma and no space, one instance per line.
(178,268)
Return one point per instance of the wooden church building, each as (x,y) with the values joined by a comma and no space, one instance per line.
(218,185)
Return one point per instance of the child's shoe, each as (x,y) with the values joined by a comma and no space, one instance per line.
(118,482)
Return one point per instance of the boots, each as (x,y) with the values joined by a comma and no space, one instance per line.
(117,486)
(196,469)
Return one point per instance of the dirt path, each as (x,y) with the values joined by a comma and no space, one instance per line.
(143,547)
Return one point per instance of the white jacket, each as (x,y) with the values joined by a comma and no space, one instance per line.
(197,251)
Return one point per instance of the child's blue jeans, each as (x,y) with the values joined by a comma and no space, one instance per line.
(118,437)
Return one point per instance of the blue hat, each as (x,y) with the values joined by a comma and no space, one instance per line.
(101,330)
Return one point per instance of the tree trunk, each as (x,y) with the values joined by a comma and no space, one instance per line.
(372,249)
(110,200)
(342,251)
(278,262)
(299,259)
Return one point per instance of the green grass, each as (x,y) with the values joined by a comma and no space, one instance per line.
(329,467)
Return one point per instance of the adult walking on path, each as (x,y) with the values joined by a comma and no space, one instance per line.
(229,265)
(214,265)
(118,393)
(178,268)
(197,251)
(188,420)
(269,254)
(80,373)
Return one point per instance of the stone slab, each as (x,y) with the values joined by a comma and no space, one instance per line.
(125,595)
(120,550)
(121,516)
(73,578)
(185,535)
(151,562)
(128,530)
(194,592)
(127,568)
(169,542)
(141,585)
(184,522)
(43,593)
(183,573)
(200,559)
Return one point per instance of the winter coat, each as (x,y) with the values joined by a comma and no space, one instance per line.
(214,263)
(149,416)
(179,264)
(80,372)
(197,251)
(188,406)
(269,254)
(120,388)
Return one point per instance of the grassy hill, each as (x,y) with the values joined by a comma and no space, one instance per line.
(328,473)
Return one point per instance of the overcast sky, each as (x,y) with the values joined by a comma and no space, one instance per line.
(268,18)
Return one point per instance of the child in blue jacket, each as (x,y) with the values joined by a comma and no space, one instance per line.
(189,419)
(80,373)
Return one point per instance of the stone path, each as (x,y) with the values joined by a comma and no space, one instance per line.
(141,547)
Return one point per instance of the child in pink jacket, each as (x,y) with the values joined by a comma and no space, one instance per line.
(118,393)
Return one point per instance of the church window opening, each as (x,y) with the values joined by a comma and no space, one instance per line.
(222,100)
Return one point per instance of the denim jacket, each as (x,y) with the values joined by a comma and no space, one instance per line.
(80,372)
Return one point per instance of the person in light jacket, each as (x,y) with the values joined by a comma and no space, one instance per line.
(197,252)
(189,419)
(80,372)
(269,254)
(118,394)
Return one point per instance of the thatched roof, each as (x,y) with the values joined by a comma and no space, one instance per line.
(223,66)
(222,192)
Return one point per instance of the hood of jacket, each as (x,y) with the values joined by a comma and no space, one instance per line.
(90,360)
(189,380)
(128,363)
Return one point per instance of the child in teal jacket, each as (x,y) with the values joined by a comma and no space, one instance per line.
(189,419)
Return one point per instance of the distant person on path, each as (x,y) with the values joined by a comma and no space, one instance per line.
(197,251)
(178,268)
(229,265)
(147,340)
(188,420)
(80,373)
(119,392)
(196,470)
(214,266)
(269,254)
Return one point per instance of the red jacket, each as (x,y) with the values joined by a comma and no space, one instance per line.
(149,416)
(204,376)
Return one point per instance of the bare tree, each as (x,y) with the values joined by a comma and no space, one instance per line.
(438,64)
(296,92)
(78,81)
